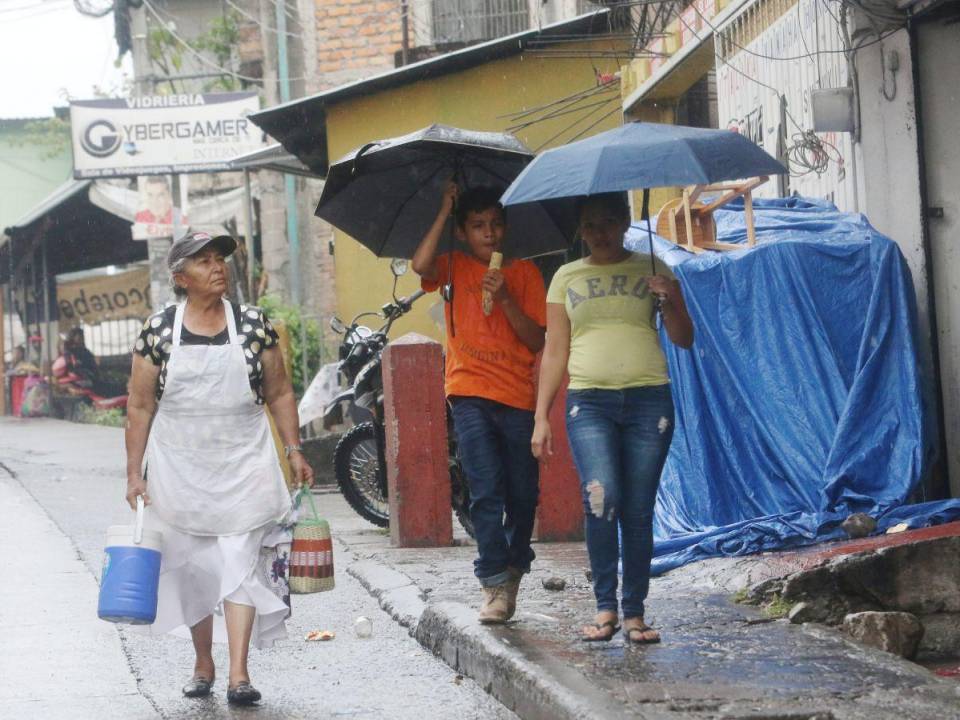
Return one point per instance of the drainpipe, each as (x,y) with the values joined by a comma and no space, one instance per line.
(941,464)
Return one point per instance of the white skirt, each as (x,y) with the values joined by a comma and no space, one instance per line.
(198,573)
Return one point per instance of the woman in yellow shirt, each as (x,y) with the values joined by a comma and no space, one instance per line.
(601,328)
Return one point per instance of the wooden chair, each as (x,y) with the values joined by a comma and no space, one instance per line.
(690,223)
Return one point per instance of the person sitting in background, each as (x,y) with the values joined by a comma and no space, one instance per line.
(18,363)
(80,361)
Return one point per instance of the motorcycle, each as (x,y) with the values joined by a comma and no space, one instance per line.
(360,456)
(68,386)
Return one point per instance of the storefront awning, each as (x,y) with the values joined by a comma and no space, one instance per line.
(273,158)
(52,201)
(78,235)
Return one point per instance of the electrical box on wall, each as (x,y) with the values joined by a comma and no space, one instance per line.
(832,109)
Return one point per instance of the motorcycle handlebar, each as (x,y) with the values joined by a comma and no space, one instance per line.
(412,298)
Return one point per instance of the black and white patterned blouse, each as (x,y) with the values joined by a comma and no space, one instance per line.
(253,329)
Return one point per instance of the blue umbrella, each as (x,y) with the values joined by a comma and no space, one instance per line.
(634,156)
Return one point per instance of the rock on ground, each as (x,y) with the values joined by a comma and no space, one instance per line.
(896,632)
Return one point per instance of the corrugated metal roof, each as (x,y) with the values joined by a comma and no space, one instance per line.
(273,157)
(57,197)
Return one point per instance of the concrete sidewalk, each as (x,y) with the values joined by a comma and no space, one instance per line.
(57,660)
(718,659)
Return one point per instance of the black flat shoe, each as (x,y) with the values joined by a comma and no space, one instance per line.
(243,694)
(197,687)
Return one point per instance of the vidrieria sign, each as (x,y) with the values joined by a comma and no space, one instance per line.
(162,134)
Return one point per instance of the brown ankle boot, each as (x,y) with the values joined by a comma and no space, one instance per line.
(495,607)
(513,588)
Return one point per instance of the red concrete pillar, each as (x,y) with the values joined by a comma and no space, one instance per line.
(560,512)
(418,477)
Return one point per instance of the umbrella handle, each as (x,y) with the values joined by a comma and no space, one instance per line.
(645,215)
(360,152)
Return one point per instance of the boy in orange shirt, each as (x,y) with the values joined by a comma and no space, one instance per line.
(489,382)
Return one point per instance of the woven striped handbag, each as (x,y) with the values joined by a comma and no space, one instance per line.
(311,556)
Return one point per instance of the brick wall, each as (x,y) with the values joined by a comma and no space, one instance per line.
(356,39)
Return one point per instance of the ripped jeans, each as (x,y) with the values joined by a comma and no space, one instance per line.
(619,440)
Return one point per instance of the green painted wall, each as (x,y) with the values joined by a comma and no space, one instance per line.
(27,172)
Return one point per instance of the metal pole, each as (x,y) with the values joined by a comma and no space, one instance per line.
(293,236)
(46,304)
(248,219)
(405,31)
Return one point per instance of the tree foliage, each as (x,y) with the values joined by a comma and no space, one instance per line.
(167,52)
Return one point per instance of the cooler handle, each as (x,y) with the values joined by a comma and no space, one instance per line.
(138,527)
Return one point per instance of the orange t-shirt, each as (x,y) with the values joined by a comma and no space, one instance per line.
(485,358)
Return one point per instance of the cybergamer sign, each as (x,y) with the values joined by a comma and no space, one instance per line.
(162,134)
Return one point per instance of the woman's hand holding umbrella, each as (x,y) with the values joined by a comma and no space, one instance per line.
(679,328)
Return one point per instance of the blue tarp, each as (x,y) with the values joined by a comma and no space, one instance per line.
(800,402)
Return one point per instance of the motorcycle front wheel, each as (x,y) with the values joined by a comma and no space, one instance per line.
(357,468)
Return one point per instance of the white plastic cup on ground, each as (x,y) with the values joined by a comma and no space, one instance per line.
(363,627)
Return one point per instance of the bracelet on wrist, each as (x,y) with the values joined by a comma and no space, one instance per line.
(288,450)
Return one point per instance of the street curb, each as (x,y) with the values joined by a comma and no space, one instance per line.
(397,594)
(535,688)
(519,681)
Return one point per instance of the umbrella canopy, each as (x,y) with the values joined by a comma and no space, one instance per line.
(387,193)
(633,156)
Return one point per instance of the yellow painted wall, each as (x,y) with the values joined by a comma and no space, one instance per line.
(475,99)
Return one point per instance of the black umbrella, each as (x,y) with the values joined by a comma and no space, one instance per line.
(387,193)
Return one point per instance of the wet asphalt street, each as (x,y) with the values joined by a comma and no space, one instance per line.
(75,474)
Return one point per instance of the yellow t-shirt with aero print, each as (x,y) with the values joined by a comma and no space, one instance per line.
(613,336)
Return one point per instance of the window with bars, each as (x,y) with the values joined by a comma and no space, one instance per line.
(474,20)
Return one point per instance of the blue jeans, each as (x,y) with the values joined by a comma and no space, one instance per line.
(619,440)
(494,447)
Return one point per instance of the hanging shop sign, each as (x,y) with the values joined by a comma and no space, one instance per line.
(96,298)
(162,134)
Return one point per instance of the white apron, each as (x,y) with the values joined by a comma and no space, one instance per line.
(211,462)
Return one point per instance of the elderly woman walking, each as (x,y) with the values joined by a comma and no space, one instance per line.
(202,372)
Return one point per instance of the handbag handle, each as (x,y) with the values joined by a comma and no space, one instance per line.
(313,507)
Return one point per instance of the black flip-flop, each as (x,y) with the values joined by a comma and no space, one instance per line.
(614,629)
(627,634)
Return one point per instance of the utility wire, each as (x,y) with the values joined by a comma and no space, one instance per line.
(556,114)
(746,75)
(724,36)
(256,21)
(593,125)
(198,54)
(31,11)
(593,90)
(572,125)
(32,6)
(83,7)
(286,10)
